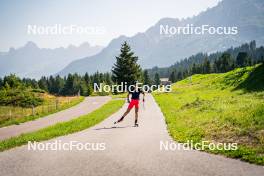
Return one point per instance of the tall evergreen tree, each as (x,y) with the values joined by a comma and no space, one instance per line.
(87,78)
(89,90)
(194,69)
(126,68)
(146,78)
(262,60)
(241,59)
(51,83)
(43,83)
(96,78)
(108,79)
(83,88)
(172,77)
(157,79)
(1,83)
(225,62)
(206,66)
(72,85)
(180,75)
(58,84)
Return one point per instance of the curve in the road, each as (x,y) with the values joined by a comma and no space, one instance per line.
(129,151)
(88,105)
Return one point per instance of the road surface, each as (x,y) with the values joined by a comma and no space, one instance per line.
(128,151)
(88,105)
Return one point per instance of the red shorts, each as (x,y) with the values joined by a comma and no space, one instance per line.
(133,103)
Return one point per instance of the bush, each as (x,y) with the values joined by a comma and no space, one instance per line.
(19,97)
(38,90)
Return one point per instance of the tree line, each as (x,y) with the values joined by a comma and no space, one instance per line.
(202,63)
(125,69)
(72,84)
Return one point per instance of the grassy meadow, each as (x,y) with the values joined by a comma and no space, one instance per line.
(225,107)
(10,115)
(65,128)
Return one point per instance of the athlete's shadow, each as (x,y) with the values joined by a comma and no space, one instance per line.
(113,127)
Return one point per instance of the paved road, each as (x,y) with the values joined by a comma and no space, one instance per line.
(129,151)
(86,106)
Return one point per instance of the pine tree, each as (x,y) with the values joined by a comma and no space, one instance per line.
(58,84)
(72,85)
(194,69)
(83,88)
(101,77)
(87,78)
(157,79)
(146,78)
(43,83)
(51,83)
(241,59)
(96,78)
(180,75)
(172,77)
(1,83)
(206,66)
(89,90)
(126,68)
(12,80)
(76,84)
(225,62)
(108,79)
(262,60)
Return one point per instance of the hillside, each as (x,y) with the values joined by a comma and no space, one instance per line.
(254,54)
(225,107)
(154,49)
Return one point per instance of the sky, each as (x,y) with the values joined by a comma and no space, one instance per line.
(116,17)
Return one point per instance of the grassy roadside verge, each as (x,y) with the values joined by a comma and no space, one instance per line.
(219,108)
(118,96)
(64,128)
(64,106)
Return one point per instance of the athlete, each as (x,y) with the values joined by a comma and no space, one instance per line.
(134,102)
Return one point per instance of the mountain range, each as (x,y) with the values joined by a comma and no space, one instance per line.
(34,62)
(154,49)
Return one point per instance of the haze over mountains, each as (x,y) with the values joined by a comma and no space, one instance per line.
(154,49)
(34,62)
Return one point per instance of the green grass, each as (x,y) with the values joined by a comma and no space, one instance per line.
(64,128)
(121,95)
(21,115)
(226,108)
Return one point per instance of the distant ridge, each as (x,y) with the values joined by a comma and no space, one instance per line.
(34,62)
(156,50)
